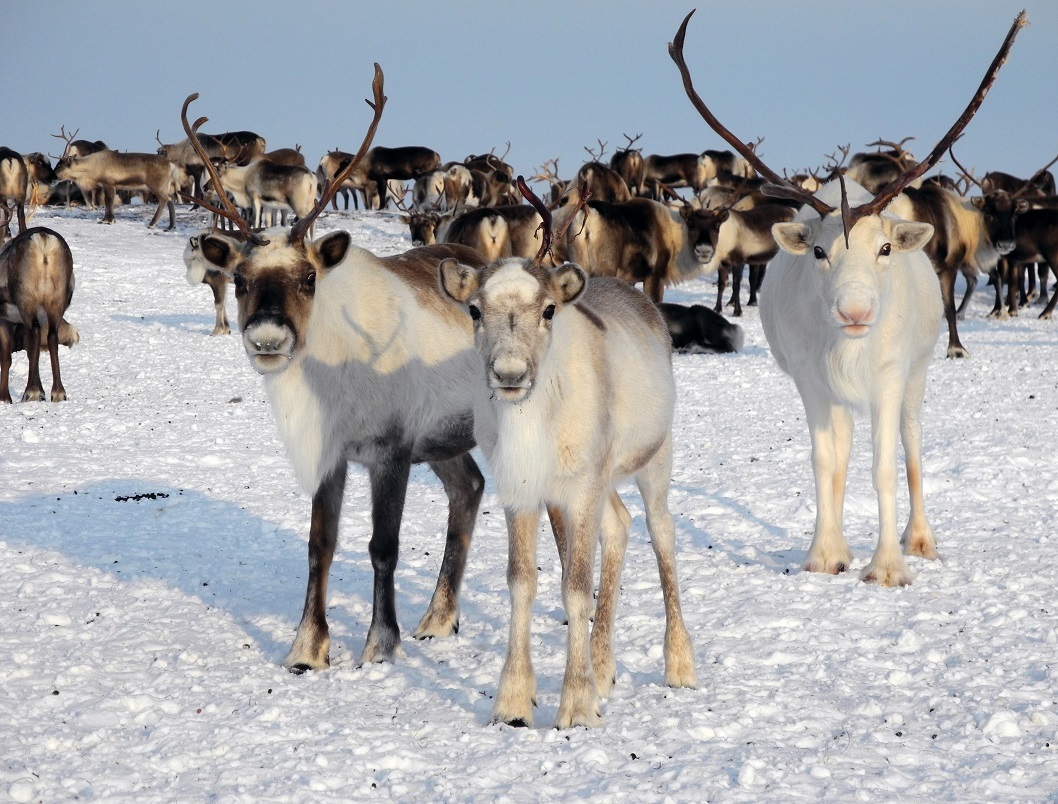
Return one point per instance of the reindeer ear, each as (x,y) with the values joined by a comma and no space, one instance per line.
(909,236)
(978,201)
(1022,205)
(333,247)
(219,251)
(458,281)
(793,237)
(568,282)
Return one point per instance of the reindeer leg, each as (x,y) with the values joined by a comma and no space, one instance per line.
(579,703)
(389,487)
(947,292)
(464,485)
(108,200)
(721,283)
(313,640)
(831,430)
(34,387)
(58,393)
(887,566)
(615,523)
(5,362)
(918,537)
(218,283)
(653,481)
(516,694)
(736,290)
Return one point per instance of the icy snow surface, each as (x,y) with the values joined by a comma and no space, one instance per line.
(153,562)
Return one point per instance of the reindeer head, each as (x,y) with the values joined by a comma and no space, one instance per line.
(275,277)
(853,278)
(513,303)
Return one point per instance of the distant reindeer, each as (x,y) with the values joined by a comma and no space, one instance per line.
(14,184)
(36,286)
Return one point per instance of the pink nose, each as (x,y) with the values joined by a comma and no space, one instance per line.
(855,314)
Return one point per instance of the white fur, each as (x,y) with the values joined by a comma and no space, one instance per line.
(599,409)
(803,307)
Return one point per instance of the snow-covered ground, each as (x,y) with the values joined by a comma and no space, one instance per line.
(152,572)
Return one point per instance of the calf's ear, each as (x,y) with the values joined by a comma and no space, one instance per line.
(459,282)
(910,236)
(794,237)
(568,282)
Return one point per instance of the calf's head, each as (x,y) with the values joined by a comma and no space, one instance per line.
(513,303)
(275,285)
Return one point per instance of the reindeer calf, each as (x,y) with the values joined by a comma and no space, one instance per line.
(578,395)
(36,285)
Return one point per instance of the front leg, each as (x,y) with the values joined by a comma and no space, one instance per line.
(464,485)
(313,640)
(516,694)
(579,704)
(389,487)
(831,430)
(887,567)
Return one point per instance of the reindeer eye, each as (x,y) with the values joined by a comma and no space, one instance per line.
(475,313)
(886,250)
(310,281)
(240,284)
(549,312)
(819,253)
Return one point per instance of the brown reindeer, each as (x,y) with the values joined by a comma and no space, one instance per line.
(36,284)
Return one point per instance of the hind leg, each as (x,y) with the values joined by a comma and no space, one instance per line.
(58,393)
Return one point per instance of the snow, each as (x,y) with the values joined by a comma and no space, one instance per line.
(152,572)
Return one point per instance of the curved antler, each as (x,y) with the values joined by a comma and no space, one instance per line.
(1030,184)
(893,189)
(547,236)
(301,228)
(228,209)
(780,186)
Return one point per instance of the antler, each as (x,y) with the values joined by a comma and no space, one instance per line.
(228,209)
(781,187)
(631,142)
(849,215)
(966,174)
(893,189)
(66,138)
(547,237)
(602,150)
(837,163)
(548,172)
(299,230)
(1031,183)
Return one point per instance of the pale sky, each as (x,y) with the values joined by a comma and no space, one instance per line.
(550,77)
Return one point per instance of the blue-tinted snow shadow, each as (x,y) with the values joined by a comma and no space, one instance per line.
(231,559)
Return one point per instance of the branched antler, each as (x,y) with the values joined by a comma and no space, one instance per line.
(227,209)
(849,215)
(301,228)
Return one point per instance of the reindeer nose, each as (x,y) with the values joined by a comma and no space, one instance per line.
(509,372)
(855,314)
(1004,247)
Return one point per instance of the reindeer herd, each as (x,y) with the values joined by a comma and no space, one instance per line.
(517,328)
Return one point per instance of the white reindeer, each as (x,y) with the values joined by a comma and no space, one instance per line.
(855,326)
(852,309)
(577,395)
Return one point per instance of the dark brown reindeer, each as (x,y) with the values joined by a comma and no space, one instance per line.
(363,361)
